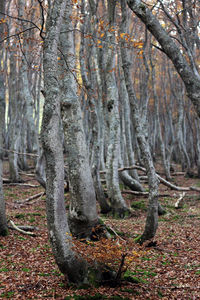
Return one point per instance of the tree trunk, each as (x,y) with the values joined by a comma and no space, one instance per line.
(3,223)
(152,213)
(82,211)
(118,203)
(69,263)
(89,84)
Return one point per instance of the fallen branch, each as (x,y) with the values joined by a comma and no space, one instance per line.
(145,178)
(177,188)
(21,230)
(178,173)
(26,174)
(109,228)
(31,198)
(144,194)
(25,227)
(23,184)
(6,180)
(131,168)
(179,202)
(19,153)
(162,180)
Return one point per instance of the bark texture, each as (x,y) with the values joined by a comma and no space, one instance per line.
(68,263)
(152,213)
(118,203)
(82,211)
(3,223)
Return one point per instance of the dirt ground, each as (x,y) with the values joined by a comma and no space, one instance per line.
(168,270)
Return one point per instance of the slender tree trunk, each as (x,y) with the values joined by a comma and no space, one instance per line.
(127,129)
(3,223)
(89,84)
(118,203)
(15,122)
(157,121)
(82,211)
(58,228)
(152,213)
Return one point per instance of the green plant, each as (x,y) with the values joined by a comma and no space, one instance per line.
(20,216)
(44,274)
(7,295)
(4,270)
(139,205)
(26,269)
(32,220)
(88,297)
(21,238)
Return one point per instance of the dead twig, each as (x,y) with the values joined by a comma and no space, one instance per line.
(119,272)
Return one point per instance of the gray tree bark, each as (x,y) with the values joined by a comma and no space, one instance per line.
(152,213)
(3,222)
(69,263)
(118,203)
(82,211)
(94,103)
(15,108)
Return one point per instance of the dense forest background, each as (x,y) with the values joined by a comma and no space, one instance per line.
(101,100)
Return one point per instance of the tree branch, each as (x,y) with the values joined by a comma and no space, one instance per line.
(20,19)
(42,26)
(16,34)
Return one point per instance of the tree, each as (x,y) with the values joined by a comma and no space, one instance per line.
(152,213)
(82,211)
(188,73)
(58,227)
(3,222)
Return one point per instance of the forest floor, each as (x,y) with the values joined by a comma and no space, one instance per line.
(168,270)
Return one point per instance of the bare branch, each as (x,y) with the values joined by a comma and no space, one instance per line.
(16,34)
(20,19)
(19,153)
(42,26)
